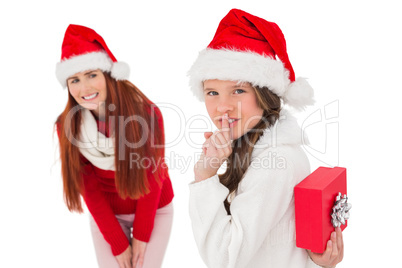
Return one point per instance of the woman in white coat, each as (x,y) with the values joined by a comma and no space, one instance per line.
(245,216)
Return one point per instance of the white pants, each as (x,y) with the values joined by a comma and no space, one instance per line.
(156,246)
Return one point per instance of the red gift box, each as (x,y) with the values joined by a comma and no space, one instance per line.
(314,200)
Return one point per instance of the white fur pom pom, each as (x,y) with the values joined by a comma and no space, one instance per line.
(120,71)
(299,94)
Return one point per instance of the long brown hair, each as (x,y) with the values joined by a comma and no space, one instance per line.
(126,111)
(240,158)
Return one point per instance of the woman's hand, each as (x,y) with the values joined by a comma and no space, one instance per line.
(138,253)
(124,259)
(216,149)
(333,254)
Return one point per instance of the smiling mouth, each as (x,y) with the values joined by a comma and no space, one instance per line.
(90,97)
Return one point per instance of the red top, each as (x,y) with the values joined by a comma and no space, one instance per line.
(103,202)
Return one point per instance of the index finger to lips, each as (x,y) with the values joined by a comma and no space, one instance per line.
(225,127)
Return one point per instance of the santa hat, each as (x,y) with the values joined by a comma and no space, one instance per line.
(82,50)
(246,48)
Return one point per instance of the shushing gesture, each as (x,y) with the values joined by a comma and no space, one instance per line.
(215,150)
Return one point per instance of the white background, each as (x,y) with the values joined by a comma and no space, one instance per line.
(349,50)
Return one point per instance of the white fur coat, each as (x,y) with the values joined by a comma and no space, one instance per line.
(260,232)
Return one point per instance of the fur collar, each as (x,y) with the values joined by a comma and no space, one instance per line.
(286,131)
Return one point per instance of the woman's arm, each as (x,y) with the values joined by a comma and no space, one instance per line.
(148,204)
(232,240)
(103,214)
(145,212)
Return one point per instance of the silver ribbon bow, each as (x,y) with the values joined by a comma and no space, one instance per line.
(340,210)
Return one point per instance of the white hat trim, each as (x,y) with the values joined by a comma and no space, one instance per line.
(241,66)
(90,61)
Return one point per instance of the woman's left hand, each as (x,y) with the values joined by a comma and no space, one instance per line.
(138,248)
(333,254)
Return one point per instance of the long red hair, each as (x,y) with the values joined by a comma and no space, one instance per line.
(126,111)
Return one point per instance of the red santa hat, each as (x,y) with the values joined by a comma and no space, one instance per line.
(83,49)
(246,48)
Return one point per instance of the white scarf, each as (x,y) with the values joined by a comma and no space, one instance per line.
(93,145)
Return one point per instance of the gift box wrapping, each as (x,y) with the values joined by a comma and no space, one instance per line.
(314,198)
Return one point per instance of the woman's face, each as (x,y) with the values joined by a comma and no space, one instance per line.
(239,101)
(88,89)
